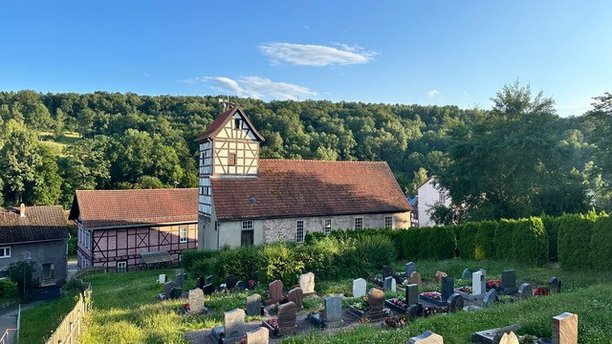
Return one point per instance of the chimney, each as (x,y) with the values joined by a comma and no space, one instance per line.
(22,210)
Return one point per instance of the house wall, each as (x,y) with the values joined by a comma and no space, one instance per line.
(47,252)
(272,230)
(430,195)
(110,246)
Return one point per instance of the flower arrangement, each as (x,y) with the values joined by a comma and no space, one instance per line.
(493,284)
(466,290)
(541,291)
(394,322)
(399,301)
(433,295)
(273,322)
(251,283)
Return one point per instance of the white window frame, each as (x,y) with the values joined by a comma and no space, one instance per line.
(299,238)
(327,226)
(6,252)
(121,266)
(183,231)
(360,223)
(385,225)
(247,225)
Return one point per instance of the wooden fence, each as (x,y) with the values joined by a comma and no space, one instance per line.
(69,330)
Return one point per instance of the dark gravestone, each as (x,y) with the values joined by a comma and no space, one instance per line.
(242,286)
(168,286)
(389,284)
(448,287)
(554,284)
(508,281)
(412,294)
(490,298)
(466,275)
(296,295)
(525,291)
(179,279)
(287,318)
(332,313)
(376,301)
(410,268)
(493,335)
(275,292)
(201,282)
(387,271)
(230,281)
(208,289)
(455,303)
(253,304)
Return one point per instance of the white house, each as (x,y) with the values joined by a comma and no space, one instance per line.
(431,194)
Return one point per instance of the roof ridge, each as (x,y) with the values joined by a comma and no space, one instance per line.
(127,190)
(331,161)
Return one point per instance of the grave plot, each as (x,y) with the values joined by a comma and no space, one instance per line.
(330,316)
(285,322)
(372,310)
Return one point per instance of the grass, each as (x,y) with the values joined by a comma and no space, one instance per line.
(58,145)
(125,309)
(39,323)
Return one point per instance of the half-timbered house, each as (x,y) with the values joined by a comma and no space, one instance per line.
(127,229)
(245,200)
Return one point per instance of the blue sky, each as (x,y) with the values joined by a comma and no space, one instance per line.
(424,52)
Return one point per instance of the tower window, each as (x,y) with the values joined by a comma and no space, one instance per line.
(237,123)
(232,159)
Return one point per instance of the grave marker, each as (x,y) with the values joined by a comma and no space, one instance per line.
(412,294)
(287,317)
(307,283)
(275,292)
(448,287)
(333,311)
(465,275)
(232,329)
(259,336)
(509,338)
(490,298)
(376,301)
(479,285)
(168,286)
(196,301)
(455,303)
(209,289)
(253,304)
(426,337)
(439,275)
(179,279)
(161,279)
(525,291)
(390,284)
(508,281)
(296,295)
(415,278)
(565,329)
(230,281)
(554,284)
(359,287)
(410,268)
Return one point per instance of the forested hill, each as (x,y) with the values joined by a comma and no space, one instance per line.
(52,144)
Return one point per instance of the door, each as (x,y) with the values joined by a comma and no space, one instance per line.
(246,238)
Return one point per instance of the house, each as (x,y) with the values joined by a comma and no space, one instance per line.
(430,195)
(131,229)
(37,234)
(245,200)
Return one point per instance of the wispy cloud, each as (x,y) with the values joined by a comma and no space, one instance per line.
(256,87)
(431,94)
(146,75)
(316,55)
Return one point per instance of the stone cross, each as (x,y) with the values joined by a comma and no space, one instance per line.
(509,338)
(426,337)
(448,287)
(296,296)
(259,336)
(359,287)
(390,284)
(479,285)
(415,278)
(196,301)
(233,323)
(333,309)
(307,283)
(253,304)
(565,329)
(410,268)
(465,275)
(412,294)
(525,291)
(275,292)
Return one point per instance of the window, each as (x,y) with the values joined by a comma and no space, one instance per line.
(299,231)
(247,225)
(183,234)
(47,272)
(5,252)
(247,235)
(122,266)
(358,223)
(327,226)
(232,159)
(389,222)
(237,123)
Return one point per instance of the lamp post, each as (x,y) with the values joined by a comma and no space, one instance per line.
(28,258)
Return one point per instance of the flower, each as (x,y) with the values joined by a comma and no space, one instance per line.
(433,295)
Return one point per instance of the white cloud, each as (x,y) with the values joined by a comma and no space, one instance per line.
(256,87)
(431,94)
(316,55)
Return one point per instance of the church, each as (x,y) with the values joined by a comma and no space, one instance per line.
(245,200)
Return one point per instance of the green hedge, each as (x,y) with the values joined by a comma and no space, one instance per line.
(551,224)
(574,241)
(467,240)
(429,243)
(485,245)
(529,241)
(601,244)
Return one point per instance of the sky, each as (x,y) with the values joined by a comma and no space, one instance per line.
(410,52)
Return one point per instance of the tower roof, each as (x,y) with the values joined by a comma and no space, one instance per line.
(217,125)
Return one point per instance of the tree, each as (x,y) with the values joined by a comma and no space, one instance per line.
(419,178)
(21,272)
(46,188)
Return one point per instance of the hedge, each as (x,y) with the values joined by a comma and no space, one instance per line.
(529,241)
(601,244)
(574,241)
(484,241)
(467,240)
(551,225)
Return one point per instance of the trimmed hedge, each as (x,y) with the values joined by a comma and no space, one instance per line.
(485,245)
(601,244)
(529,241)
(467,240)
(574,241)
(429,243)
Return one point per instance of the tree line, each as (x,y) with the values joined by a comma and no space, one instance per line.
(517,159)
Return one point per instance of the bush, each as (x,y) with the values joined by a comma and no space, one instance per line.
(8,289)
(467,241)
(244,262)
(429,243)
(551,225)
(484,247)
(601,244)
(529,241)
(191,256)
(503,239)
(574,241)
(280,261)
(376,251)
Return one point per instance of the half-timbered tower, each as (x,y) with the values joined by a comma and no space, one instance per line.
(245,200)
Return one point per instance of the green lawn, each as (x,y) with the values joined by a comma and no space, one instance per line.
(39,323)
(126,311)
(58,145)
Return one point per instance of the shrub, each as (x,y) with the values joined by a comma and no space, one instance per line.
(440,243)
(529,241)
(467,241)
(551,225)
(411,243)
(601,244)
(502,239)
(8,289)
(244,262)
(376,251)
(484,240)
(190,257)
(574,241)
(280,262)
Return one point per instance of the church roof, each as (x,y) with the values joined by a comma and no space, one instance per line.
(219,122)
(41,223)
(300,188)
(140,207)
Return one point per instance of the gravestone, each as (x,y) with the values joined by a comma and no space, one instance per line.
(493,335)
(415,278)
(412,294)
(466,274)
(168,286)
(565,329)
(196,301)
(230,281)
(426,337)
(275,292)
(387,271)
(479,285)
(333,311)
(201,282)
(179,279)
(490,298)
(296,295)
(554,284)
(259,336)
(410,268)
(232,329)
(448,287)
(242,286)
(508,281)
(390,284)
(376,301)
(525,291)
(307,283)
(161,279)
(359,287)
(209,289)
(439,275)
(253,304)
(287,317)
(455,303)
(509,338)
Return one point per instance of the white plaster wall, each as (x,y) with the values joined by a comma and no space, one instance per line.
(430,195)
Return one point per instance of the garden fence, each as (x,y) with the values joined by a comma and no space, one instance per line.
(69,330)
(11,335)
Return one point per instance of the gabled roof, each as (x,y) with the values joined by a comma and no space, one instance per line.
(120,208)
(41,223)
(294,188)
(219,123)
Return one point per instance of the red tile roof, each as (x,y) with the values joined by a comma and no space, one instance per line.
(113,208)
(219,122)
(41,223)
(292,188)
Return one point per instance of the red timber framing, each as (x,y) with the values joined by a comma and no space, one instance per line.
(114,245)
